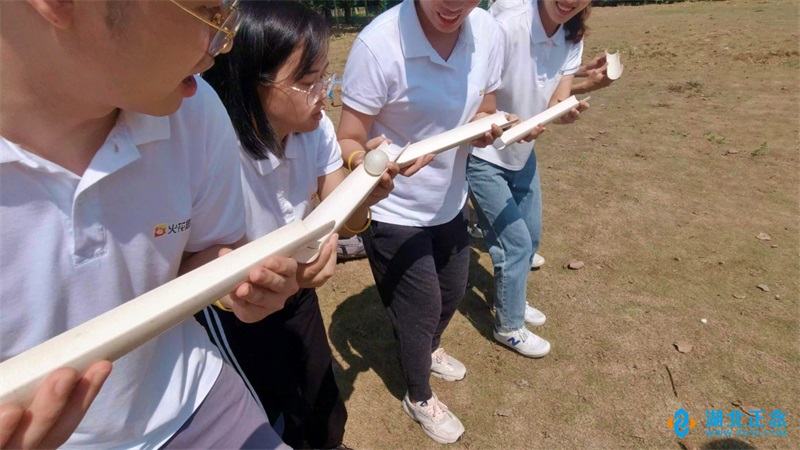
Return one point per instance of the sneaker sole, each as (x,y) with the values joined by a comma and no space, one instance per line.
(447,377)
(538,324)
(523,354)
(430,435)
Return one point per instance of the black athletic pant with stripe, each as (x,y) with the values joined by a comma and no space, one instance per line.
(285,359)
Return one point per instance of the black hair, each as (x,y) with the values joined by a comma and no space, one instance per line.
(270,32)
(576,26)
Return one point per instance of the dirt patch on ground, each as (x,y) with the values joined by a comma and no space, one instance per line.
(661,189)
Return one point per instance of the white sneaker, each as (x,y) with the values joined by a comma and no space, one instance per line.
(538,261)
(446,367)
(524,342)
(533,316)
(436,420)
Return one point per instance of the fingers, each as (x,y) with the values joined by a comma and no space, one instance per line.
(10,415)
(418,164)
(376,142)
(496,132)
(266,289)
(535,133)
(392,169)
(488,137)
(275,274)
(58,406)
(48,403)
(330,265)
(478,116)
(82,396)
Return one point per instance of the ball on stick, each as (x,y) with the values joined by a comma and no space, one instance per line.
(375,162)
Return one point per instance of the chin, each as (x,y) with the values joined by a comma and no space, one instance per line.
(165,107)
(310,126)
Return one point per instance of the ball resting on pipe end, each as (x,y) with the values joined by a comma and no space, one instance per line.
(375,162)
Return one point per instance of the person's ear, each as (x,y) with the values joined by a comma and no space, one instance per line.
(57,12)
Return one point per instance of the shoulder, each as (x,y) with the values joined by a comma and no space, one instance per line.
(516,17)
(383,28)
(481,19)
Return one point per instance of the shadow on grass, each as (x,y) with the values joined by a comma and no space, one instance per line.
(728,443)
(477,302)
(361,333)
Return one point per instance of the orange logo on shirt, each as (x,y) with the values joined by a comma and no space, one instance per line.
(175,228)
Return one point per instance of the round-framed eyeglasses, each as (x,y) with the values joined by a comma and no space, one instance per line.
(318,90)
(226,22)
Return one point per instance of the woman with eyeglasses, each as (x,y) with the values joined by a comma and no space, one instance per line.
(273,83)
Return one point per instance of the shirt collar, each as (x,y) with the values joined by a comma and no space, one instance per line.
(538,34)
(271,162)
(141,129)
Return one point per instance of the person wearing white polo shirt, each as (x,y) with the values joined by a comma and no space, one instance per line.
(420,69)
(118,172)
(273,83)
(542,47)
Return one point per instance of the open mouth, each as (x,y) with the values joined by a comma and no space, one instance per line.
(564,9)
(189,86)
(448,19)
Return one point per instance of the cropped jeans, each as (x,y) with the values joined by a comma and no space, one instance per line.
(509,207)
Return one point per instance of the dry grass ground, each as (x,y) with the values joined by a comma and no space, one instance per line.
(661,190)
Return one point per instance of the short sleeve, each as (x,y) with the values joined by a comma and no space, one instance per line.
(364,85)
(329,154)
(496,59)
(573,61)
(218,215)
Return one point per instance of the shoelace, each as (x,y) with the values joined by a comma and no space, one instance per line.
(441,357)
(435,409)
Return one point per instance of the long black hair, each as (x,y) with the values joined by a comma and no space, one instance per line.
(576,26)
(270,31)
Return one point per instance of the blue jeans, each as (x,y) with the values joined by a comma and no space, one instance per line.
(509,207)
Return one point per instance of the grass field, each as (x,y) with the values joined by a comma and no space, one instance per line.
(661,189)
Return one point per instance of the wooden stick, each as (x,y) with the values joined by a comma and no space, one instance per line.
(518,132)
(343,201)
(117,332)
(453,138)
(120,330)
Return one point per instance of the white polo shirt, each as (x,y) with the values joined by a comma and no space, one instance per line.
(498,7)
(533,65)
(394,74)
(74,247)
(279,191)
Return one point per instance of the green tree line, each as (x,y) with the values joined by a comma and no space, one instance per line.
(344,9)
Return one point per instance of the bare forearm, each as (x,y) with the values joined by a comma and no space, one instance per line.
(584,87)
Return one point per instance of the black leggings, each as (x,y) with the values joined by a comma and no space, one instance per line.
(421,275)
(287,361)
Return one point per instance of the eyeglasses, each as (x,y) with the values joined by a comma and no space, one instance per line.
(226,23)
(317,90)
